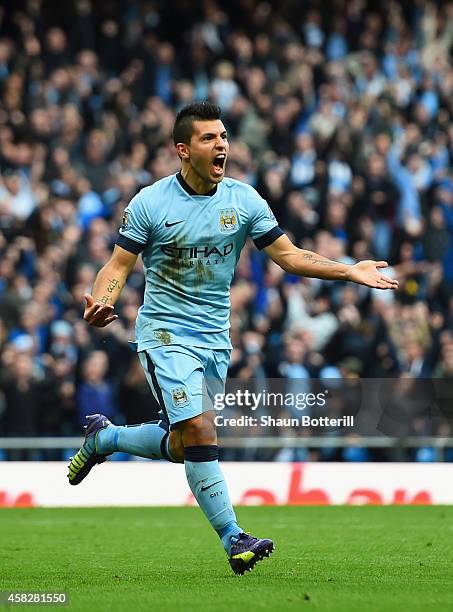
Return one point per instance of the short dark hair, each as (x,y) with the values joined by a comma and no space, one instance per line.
(198,111)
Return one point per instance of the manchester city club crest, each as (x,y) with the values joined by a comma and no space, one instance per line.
(228,220)
(179,397)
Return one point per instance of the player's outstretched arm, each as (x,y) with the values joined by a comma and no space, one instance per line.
(307,263)
(107,288)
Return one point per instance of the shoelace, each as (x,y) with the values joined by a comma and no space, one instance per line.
(243,539)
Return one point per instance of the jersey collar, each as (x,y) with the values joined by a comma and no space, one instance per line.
(191,191)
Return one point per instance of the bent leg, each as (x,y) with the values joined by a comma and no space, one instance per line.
(150,440)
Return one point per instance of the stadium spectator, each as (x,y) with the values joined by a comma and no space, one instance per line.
(94,391)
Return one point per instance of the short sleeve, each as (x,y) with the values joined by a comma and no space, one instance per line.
(263,227)
(135,229)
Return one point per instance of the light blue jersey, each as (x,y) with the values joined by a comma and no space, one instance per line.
(190,246)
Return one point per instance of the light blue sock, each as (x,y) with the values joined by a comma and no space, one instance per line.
(150,440)
(208,485)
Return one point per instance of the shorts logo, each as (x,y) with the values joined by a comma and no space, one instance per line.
(179,397)
(228,220)
(163,335)
(125,221)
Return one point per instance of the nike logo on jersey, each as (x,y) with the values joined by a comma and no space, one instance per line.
(213,485)
(167,224)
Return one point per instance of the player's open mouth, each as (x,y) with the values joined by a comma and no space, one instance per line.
(219,163)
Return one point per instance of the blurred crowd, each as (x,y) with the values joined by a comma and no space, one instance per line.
(339,113)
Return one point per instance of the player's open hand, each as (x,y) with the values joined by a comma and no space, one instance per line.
(368,273)
(98,314)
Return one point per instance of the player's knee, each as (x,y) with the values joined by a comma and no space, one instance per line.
(199,430)
(176,446)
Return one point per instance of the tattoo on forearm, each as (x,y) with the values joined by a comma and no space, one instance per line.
(113,283)
(322,262)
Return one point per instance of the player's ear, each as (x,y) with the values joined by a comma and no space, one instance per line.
(183,150)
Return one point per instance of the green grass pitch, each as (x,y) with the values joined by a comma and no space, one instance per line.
(168,559)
